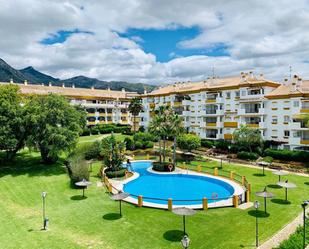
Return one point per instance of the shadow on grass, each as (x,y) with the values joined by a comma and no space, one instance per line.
(111,216)
(280,201)
(78,197)
(258,174)
(173,235)
(30,164)
(307,183)
(247,246)
(259,213)
(273,186)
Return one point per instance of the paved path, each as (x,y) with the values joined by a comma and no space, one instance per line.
(283,234)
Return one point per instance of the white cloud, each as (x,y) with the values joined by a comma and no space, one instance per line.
(266,36)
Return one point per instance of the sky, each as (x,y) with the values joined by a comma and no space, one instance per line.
(156,41)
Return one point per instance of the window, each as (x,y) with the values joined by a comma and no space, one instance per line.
(286,119)
(274,120)
(286,133)
(243,93)
(296,103)
(228,95)
(237,94)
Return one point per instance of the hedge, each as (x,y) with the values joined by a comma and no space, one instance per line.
(106,128)
(113,174)
(288,155)
(207,143)
(247,155)
(162,167)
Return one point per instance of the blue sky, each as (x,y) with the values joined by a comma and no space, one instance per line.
(163,43)
(61,36)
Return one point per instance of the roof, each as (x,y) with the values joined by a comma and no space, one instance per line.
(74,92)
(293,89)
(213,84)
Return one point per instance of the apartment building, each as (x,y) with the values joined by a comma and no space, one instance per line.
(102,106)
(216,107)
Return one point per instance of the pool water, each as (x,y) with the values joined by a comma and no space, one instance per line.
(184,189)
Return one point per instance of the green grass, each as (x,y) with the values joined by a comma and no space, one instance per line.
(92,222)
(93,138)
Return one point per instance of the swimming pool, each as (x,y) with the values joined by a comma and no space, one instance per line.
(184,188)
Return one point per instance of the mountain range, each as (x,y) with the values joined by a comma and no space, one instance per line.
(33,76)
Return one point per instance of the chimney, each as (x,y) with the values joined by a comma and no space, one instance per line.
(251,74)
(49,84)
(92,88)
(42,84)
(295,79)
(285,81)
(63,85)
(25,82)
(145,91)
(123,90)
(261,76)
(11,81)
(108,89)
(73,85)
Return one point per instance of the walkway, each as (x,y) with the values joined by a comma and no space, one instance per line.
(283,234)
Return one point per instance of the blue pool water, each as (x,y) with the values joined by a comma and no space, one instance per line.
(184,189)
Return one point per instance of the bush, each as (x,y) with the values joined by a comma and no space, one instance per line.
(78,168)
(92,150)
(138,145)
(95,130)
(207,143)
(222,144)
(162,167)
(113,174)
(188,142)
(86,131)
(288,155)
(143,136)
(247,155)
(148,145)
(141,129)
(268,159)
(129,143)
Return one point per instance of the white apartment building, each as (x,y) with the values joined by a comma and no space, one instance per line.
(214,108)
(102,106)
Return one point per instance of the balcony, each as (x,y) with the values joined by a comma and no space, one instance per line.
(211,124)
(228,136)
(230,124)
(304,110)
(177,104)
(253,125)
(91,123)
(304,141)
(92,114)
(152,105)
(260,111)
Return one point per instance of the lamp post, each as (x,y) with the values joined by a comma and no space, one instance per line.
(256,206)
(304,204)
(185,241)
(44,217)
(229,147)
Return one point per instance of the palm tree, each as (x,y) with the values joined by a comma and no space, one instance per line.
(175,131)
(135,108)
(156,128)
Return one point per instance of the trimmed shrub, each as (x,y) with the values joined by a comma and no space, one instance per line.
(188,142)
(268,159)
(143,136)
(288,155)
(113,174)
(86,131)
(162,167)
(95,130)
(207,143)
(247,155)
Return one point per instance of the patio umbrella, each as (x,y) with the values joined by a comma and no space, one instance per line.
(83,184)
(265,195)
(280,173)
(119,197)
(184,212)
(263,164)
(286,184)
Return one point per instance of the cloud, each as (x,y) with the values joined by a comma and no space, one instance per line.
(266,36)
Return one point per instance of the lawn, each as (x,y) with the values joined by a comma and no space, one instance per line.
(93,138)
(92,222)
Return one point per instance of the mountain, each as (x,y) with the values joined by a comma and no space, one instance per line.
(35,77)
(7,73)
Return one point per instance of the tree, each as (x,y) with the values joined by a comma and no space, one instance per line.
(55,125)
(176,129)
(12,126)
(135,108)
(189,142)
(112,153)
(166,124)
(247,137)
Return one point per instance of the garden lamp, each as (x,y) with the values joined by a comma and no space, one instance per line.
(185,241)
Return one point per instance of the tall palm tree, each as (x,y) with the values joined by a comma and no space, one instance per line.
(175,130)
(156,128)
(135,108)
